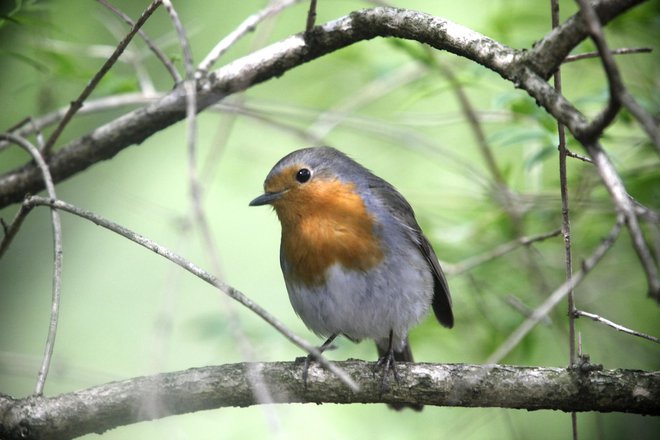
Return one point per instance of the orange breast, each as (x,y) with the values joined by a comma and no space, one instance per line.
(326,222)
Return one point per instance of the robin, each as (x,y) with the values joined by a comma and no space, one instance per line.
(355,261)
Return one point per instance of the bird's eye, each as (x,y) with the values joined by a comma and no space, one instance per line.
(303,175)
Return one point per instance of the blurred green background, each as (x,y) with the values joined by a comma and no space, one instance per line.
(127,312)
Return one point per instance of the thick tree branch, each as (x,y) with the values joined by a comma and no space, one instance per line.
(114,404)
(547,55)
(525,70)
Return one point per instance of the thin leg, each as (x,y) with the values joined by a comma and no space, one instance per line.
(387,363)
(310,357)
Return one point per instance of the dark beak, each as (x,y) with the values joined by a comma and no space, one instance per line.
(266,199)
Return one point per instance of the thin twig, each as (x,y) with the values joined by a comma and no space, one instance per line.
(370,92)
(618,92)
(615,326)
(258,385)
(556,297)
(11,230)
(565,220)
(472,262)
(169,66)
(246,26)
(622,51)
(191,119)
(191,138)
(197,271)
(77,104)
(311,16)
(578,156)
(565,217)
(57,255)
(627,207)
(133,56)
(523,308)
(31,126)
(470,114)
(39,135)
(506,197)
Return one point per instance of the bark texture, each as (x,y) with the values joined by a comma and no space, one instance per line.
(114,404)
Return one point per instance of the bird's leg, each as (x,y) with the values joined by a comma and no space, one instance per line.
(310,357)
(387,363)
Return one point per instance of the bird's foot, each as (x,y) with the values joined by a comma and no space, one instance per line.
(386,363)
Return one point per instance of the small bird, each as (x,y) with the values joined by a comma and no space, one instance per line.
(355,261)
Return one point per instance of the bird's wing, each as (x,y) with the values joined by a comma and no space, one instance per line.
(400,209)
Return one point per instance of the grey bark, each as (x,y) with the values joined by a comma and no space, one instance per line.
(114,404)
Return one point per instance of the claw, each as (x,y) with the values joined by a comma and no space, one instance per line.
(387,363)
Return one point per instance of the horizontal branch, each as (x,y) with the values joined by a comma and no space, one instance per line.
(114,404)
(273,61)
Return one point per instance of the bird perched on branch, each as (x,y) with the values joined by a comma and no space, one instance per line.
(354,259)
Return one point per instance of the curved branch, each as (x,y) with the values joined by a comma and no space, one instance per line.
(524,69)
(547,55)
(114,404)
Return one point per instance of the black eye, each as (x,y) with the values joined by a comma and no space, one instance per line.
(303,175)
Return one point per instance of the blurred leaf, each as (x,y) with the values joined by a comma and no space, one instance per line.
(541,155)
(113,83)
(516,136)
(64,65)
(32,62)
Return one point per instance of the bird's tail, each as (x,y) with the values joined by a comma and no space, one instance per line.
(405,355)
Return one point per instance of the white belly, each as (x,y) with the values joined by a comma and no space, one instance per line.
(359,305)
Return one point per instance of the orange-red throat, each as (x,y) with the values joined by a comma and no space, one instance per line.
(324,221)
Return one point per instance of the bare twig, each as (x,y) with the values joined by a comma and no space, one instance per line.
(382,85)
(627,207)
(92,106)
(565,220)
(311,16)
(57,256)
(133,56)
(246,26)
(191,138)
(514,339)
(618,92)
(258,384)
(615,326)
(191,122)
(37,131)
(569,153)
(169,66)
(11,230)
(477,260)
(565,217)
(485,149)
(75,105)
(505,195)
(227,123)
(523,308)
(233,293)
(622,51)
